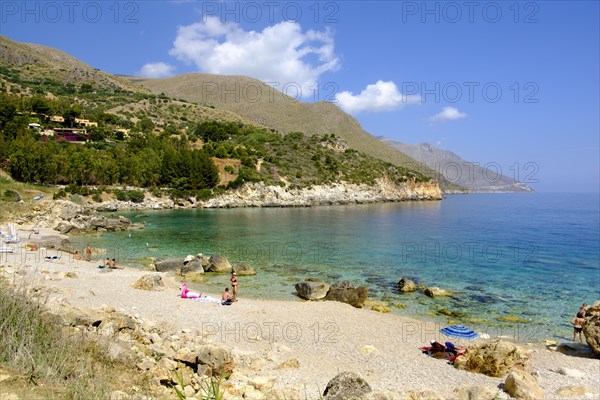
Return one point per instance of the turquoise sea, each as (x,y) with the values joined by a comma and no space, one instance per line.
(519,265)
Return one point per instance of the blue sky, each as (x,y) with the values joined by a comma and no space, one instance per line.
(511,85)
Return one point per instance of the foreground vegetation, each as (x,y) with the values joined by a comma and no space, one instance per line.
(35,346)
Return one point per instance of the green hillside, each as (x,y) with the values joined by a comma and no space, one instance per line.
(258,102)
(64,122)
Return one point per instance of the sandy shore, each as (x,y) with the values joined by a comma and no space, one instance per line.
(325,337)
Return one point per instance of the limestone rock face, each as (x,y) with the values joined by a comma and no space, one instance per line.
(312,289)
(495,358)
(591,330)
(260,195)
(149,282)
(522,385)
(219,264)
(346,386)
(406,285)
(354,296)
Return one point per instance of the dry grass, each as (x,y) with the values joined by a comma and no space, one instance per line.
(47,360)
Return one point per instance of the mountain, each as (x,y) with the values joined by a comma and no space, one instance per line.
(458,171)
(261,103)
(34,63)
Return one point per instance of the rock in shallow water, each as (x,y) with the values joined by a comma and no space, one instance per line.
(312,289)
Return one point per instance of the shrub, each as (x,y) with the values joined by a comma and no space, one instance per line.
(11,195)
(61,194)
(134,196)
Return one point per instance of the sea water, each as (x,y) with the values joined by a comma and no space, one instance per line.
(517,265)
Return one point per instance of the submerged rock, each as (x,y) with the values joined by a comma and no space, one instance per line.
(406,285)
(244,269)
(436,292)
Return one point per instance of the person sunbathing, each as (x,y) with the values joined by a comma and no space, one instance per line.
(187,294)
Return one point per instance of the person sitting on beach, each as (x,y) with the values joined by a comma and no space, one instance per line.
(112,264)
(578,323)
(436,347)
(77,255)
(226,298)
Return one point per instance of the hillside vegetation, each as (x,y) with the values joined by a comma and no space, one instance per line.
(259,102)
(95,129)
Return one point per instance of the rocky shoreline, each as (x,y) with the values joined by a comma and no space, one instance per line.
(261,195)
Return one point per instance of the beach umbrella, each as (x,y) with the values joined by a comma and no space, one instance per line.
(459,332)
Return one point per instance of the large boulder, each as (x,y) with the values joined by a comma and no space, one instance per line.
(522,385)
(110,224)
(346,386)
(168,264)
(406,285)
(149,282)
(312,289)
(591,330)
(495,358)
(354,296)
(582,350)
(219,264)
(244,269)
(594,309)
(193,265)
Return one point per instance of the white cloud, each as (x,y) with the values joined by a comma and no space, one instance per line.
(156,70)
(381,96)
(447,114)
(279,54)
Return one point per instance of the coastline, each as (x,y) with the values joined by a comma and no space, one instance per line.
(324,337)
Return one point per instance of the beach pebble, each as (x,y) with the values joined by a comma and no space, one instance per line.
(574,373)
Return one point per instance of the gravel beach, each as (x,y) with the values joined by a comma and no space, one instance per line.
(325,337)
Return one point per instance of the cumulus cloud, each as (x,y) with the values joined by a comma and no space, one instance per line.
(447,114)
(380,96)
(280,54)
(156,70)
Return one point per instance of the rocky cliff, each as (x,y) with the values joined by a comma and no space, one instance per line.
(259,195)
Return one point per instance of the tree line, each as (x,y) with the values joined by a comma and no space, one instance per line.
(143,161)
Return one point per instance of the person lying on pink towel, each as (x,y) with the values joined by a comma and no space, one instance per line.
(187,294)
